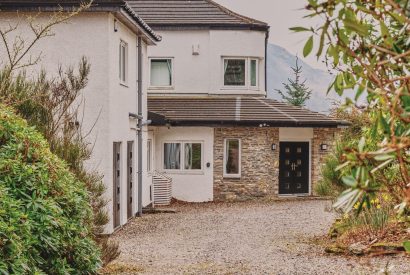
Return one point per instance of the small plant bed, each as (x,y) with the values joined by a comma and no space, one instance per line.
(374,231)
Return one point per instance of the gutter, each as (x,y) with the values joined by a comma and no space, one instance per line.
(266,62)
(139,126)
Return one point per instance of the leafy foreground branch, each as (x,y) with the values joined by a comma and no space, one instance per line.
(367,43)
(45,218)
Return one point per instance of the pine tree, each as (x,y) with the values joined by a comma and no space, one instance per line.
(297,93)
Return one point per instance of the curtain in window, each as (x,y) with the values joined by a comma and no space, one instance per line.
(172,156)
(161,72)
(234,72)
(232,156)
(193,156)
(188,156)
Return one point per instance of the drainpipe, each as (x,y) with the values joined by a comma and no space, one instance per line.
(139,126)
(266,61)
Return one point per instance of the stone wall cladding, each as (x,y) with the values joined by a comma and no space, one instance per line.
(259,164)
(326,136)
(259,175)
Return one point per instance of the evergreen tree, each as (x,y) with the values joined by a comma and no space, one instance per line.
(296,91)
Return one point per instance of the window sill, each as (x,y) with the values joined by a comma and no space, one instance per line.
(234,88)
(161,88)
(231,176)
(124,85)
(182,172)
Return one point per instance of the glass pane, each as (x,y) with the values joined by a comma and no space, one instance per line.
(299,162)
(287,162)
(232,156)
(234,72)
(172,156)
(253,73)
(161,72)
(299,150)
(299,174)
(119,61)
(123,55)
(193,153)
(287,150)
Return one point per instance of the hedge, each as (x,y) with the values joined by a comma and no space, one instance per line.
(45,217)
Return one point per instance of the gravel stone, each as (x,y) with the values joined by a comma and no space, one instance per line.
(242,238)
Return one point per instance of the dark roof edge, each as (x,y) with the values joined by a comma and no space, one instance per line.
(237,15)
(206,26)
(100,7)
(233,123)
(141,22)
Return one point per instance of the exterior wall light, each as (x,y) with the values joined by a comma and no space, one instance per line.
(323,147)
(115,25)
(273,147)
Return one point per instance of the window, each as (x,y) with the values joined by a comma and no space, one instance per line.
(253,72)
(161,72)
(172,156)
(188,153)
(240,72)
(193,156)
(234,72)
(123,64)
(149,155)
(232,158)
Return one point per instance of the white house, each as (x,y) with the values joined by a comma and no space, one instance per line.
(213,134)
(213,130)
(108,34)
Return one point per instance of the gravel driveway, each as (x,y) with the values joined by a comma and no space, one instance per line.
(241,238)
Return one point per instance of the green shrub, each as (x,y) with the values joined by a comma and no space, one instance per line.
(45,217)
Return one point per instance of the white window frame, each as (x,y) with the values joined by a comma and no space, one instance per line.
(124,81)
(182,160)
(149,156)
(225,174)
(153,87)
(247,73)
(257,74)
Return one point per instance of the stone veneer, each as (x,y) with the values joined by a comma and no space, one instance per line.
(259,164)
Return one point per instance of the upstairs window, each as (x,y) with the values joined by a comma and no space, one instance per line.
(234,72)
(161,72)
(123,64)
(253,73)
(240,72)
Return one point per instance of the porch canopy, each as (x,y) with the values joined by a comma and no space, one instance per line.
(216,111)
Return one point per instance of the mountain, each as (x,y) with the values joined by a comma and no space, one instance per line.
(279,63)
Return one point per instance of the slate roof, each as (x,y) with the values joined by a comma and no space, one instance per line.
(192,13)
(97,5)
(233,111)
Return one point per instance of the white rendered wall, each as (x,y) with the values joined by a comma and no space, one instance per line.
(188,186)
(105,103)
(203,74)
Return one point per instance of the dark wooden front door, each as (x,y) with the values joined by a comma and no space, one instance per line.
(294,168)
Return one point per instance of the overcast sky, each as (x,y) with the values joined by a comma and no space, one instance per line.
(280,15)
